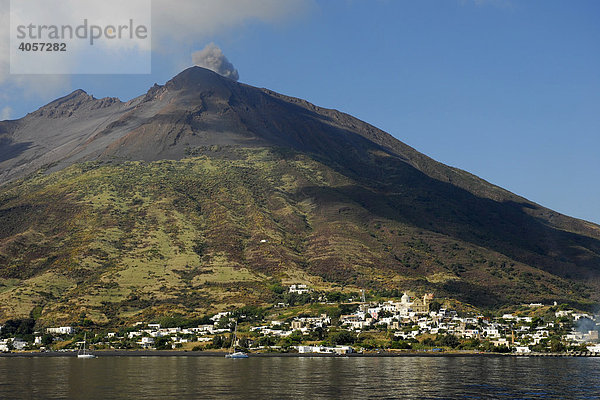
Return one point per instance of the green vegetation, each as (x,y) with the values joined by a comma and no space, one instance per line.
(101,244)
(18,327)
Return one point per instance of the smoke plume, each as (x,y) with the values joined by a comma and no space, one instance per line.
(211,57)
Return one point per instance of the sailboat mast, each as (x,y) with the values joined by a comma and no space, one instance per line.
(234,338)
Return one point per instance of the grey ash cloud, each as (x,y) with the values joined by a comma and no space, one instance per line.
(212,57)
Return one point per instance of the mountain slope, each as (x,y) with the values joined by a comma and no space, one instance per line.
(161,204)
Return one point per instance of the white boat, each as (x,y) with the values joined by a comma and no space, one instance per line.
(232,353)
(237,354)
(83,351)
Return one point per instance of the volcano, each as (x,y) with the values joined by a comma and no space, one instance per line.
(204,192)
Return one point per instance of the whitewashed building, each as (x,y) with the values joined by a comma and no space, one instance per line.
(63,330)
(299,289)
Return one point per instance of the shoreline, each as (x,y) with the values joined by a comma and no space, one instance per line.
(179,353)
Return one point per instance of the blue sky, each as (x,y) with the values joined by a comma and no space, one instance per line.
(506,89)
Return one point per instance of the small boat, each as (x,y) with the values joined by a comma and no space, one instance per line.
(237,354)
(83,351)
(232,353)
